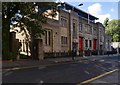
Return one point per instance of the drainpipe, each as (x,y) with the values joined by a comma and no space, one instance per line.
(70,40)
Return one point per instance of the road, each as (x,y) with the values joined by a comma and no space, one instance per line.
(75,72)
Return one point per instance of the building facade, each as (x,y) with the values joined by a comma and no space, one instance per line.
(108,43)
(72,29)
(75,30)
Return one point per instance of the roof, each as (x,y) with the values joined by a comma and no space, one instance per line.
(80,12)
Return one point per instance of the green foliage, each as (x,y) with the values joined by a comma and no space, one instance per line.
(106,22)
(116,37)
(113,29)
(31,20)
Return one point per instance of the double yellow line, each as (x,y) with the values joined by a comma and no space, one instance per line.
(92,79)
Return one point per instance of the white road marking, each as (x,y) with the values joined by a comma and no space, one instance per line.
(99,81)
(102,60)
(41,67)
(8,73)
(41,81)
(15,68)
(87,72)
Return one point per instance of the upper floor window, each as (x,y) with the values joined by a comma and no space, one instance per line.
(101,36)
(80,26)
(63,22)
(90,29)
(95,31)
(74,30)
(86,28)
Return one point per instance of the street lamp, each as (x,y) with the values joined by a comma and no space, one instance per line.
(83,37)
(80,4)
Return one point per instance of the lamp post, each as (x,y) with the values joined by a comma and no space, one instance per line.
(83,37)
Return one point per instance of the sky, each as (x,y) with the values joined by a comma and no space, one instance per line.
(101,10)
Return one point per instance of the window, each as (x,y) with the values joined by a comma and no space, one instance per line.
(95,31)
(86,43)
(48,37)
(63,22)
(90,29)
(63,40)
(80,26)
(74,31)
(86,28)
(100,36)
(90,43)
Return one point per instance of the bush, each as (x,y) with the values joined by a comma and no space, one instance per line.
(23,56)
(94,52)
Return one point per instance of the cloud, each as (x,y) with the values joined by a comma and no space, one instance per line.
(103,17)
(112,10)
(96,10)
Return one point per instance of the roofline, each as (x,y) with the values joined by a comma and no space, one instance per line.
(80,10)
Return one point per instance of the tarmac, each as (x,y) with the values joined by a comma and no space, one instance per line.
(112,78)
(29,63)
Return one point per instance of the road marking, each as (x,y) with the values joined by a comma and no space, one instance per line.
(87,81)
(41,81)
(103,68)
(87,72)
(99,81)
(41,67)
(102,60)
(8,73)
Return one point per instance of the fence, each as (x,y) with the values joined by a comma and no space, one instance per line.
(81,53)
(57,54)
(62,54)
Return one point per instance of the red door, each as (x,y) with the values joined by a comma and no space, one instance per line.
(80,43)
(94,44)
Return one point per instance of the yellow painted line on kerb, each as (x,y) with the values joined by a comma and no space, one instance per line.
(92,79)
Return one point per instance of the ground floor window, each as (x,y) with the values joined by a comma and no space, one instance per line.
(48,35)
(64,40)
(90,43)
(86,43)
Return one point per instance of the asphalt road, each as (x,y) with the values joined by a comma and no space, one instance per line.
(64,73)
(112,79)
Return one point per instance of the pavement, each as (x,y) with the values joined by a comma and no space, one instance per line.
(29,63)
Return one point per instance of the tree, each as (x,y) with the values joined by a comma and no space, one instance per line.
(106,22)
(32,19)
(113,29)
